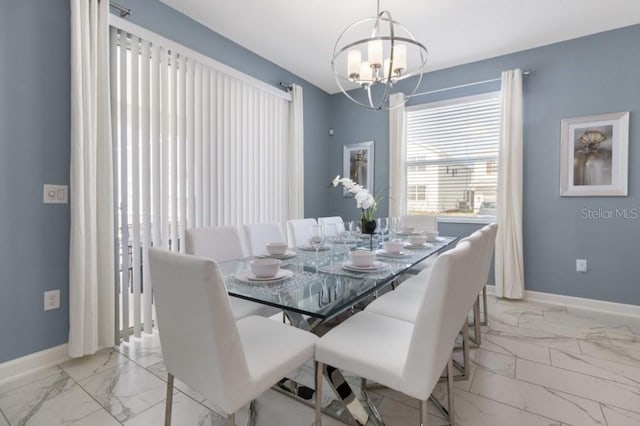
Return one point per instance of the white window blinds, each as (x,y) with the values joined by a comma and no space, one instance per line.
(195,146)
(452,156)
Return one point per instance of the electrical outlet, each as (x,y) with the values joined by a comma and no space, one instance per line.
(51,300)
(581,265)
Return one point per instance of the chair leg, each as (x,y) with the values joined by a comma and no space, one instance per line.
(424,413)
(465,351)
(251,415)
(486,309)
(319,377)
(477,332)
(450,391)
(169,401)
(231,419)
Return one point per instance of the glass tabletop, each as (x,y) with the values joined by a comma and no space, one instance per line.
(334,288)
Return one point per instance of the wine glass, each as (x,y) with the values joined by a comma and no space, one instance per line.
(331,235)
(355,231)
(394,227)
(383,227)
(331,232)
(316,240)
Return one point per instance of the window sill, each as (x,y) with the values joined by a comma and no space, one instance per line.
(462,219)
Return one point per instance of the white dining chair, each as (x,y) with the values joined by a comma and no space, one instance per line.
(404,303)
(223,243)
(408,357)
(492,229)
(337,220)
(420,223)
(258,235)
(299,231)
(228,362)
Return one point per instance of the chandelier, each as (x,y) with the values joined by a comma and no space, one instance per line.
(375,54)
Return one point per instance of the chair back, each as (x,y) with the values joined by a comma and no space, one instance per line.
(489,234)
(445,304)
(337,220)
(220,243)
(299,231)
(199,338)
(258,235)
(423,222)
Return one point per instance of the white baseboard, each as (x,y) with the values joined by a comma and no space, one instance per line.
(15,368)
(579,302)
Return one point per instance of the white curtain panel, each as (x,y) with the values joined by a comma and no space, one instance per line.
(91,253)
(296,153)
(397,156)
(509,267)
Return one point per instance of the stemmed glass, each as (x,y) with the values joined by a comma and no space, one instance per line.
(355,231)
(394,227)
(316,240)
(383,227)
(331,235)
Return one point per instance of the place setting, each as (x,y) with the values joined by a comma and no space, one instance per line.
(417,242)
(392,249)
(264,271)
(277,250)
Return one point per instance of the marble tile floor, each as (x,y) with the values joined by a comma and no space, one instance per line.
(538,365)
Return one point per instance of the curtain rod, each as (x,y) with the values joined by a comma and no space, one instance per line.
(477,83)
(123,10)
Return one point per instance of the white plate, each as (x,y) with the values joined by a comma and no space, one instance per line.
(383,252)
(417,246)
(406,234)
(248,277)
(375,266)
(287,255)
(309,248)
(437,240)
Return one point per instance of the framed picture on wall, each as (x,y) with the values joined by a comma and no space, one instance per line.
(594,155)
(358,161)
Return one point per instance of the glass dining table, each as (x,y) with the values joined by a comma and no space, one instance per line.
(313,289)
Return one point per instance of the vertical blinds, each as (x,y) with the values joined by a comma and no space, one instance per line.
(452,156)
(194,147)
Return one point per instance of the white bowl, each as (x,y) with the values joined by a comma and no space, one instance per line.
(407,229)
(362,257)
(265,268)
(276,248)
(392,246)
(431,235)
(417,240)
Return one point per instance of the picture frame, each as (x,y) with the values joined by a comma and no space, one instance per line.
(358,161)
(594,155)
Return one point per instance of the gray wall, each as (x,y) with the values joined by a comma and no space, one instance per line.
(591,75)
(34,149)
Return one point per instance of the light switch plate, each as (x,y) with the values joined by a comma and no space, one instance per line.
(55,194)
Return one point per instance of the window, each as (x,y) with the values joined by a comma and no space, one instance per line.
(452,156)
(196,144)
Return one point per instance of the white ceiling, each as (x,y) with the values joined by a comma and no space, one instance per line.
(299,35)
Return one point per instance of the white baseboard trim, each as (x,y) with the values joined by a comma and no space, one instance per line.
(15,368)
(578,302)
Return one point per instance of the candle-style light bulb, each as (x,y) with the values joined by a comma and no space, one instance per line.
(354,59)
(365,72)
(399,58)
(375,53)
